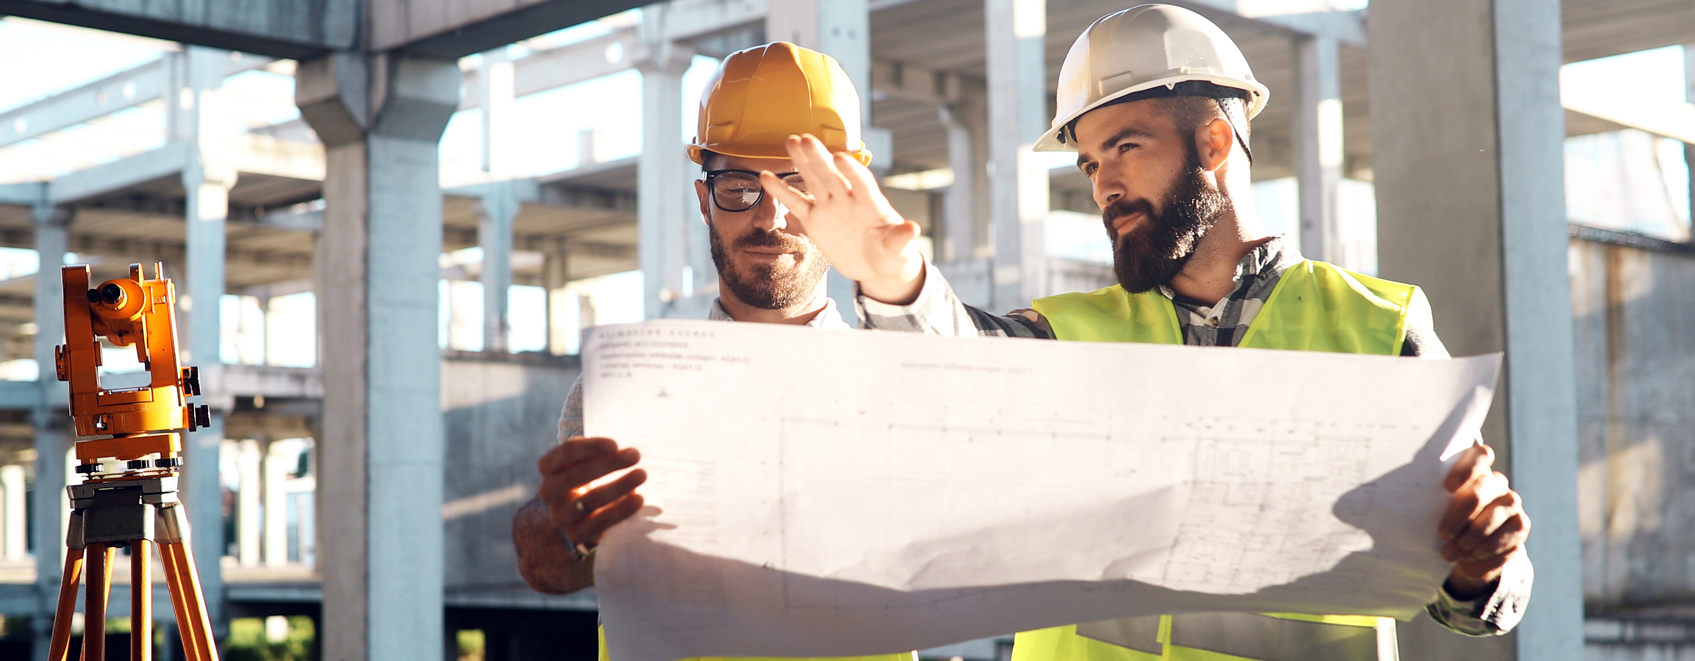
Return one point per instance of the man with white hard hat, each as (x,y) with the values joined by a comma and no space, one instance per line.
(767,273)
(1156,100)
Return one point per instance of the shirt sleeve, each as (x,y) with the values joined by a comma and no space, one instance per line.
(571,417)
(938,311)
(1492,614)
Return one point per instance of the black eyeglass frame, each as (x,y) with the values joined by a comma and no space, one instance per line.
(712,190)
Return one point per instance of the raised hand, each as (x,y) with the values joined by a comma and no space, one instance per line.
(578,507)
(845,214)
(1485,525)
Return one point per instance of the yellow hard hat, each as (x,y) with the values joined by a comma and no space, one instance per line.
(1142,48)
(762,95)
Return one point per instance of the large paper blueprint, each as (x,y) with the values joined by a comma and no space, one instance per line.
(828,494)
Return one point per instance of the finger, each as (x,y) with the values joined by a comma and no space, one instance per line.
(858,178)
(1486,524)
(1468,501)
(560,484)
(796,201)
(573,506)
(1477,460)
(573,450)
(605,494)
(1486,566)
(1509,534)
(591,528)
(818,166)
(1483,571)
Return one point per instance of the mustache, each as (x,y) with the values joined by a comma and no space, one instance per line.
(1124,207)
(773,239)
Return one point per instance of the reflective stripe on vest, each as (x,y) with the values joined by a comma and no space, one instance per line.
(903,656)
(1314,307)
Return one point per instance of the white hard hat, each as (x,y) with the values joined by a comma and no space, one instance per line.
(1140,49)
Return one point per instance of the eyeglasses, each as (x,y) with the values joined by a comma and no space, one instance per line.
(739,190)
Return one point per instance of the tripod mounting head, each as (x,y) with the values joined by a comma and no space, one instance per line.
(140,421)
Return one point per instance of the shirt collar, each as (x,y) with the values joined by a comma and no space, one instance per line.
(827,319)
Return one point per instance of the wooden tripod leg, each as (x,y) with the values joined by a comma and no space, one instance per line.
(61,645)
(140,601)
(94,609)
(179,604)
(195,604)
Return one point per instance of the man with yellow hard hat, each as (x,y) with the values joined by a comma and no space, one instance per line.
(1156,100)
(768,272)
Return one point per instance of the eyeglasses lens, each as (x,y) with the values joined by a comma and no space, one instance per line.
(736,191)
(739,191)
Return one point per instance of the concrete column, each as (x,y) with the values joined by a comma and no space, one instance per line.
(498,90)
(279,462)
(959,219)
(555,274)
(498,208)
(1318,146)
(1468,138)
(247,503)
(14,531)
(1018,184)
(206,181)
(50,417)
(381,119)
(665,205)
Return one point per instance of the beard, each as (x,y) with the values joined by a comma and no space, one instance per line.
(1155,252)
(769,286)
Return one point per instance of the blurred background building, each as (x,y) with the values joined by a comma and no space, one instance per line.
(328,181)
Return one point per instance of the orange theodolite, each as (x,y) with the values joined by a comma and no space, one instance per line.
(136,504)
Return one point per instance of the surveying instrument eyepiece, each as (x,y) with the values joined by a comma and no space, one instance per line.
(128,496)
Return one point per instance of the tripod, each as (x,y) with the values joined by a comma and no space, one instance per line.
(137,506)
(138,512)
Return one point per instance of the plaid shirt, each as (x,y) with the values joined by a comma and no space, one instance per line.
(937,311)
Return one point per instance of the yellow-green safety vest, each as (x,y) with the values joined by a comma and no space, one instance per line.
(1314,307)
(904,656)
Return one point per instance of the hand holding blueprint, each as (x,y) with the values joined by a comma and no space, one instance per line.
(832,494)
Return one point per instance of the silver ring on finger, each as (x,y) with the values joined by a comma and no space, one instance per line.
(580,506)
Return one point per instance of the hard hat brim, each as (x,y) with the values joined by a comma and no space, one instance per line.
(1257,94)
(697,153)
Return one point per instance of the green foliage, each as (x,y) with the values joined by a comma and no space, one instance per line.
(470,644)
(247,641)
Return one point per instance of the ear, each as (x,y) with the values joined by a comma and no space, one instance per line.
(1213,142)
(705,201)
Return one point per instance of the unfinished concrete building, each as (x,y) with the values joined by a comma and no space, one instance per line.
(370,477)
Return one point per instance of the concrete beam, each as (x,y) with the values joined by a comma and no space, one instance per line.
(125,89)
(451,29)
(267,381)
(568,65)
(1343,27)
(162,163)
(19,395)
(1471,207)
(1017,33)
(25,194)
(278,28)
